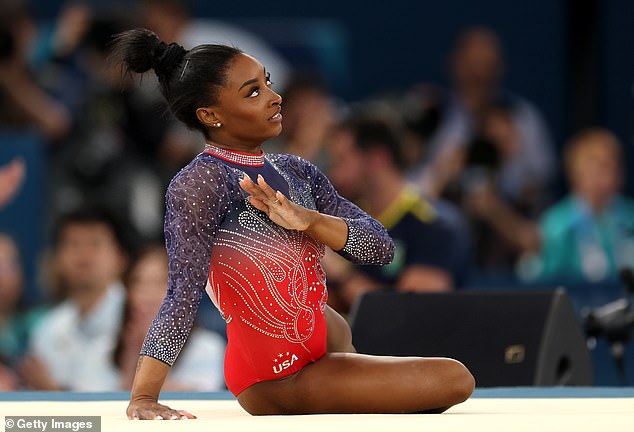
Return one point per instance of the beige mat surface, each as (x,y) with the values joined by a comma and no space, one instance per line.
(479,414)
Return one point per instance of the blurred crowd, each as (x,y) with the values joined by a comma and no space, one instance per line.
(463,177)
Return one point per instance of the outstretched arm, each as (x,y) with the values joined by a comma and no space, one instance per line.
(195,202)
(50,117)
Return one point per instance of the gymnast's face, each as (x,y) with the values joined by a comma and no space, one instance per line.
(248,110)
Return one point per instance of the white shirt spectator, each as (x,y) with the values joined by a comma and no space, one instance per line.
(76,350)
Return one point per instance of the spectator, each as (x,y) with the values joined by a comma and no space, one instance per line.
(24,106)
(200,366)
(431,240)
(421,108)
(71,348)
(588,236)
(57,41)
(109,158)
(488,135)
(15,322)
(32,123)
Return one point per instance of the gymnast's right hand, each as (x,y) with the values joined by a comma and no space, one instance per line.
(151,410)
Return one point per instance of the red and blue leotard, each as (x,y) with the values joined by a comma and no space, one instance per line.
(266,281)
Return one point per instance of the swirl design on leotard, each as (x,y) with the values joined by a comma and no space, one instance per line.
(276,274)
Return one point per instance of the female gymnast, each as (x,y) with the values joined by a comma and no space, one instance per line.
(250,229)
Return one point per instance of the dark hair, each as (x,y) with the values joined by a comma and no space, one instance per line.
(372,131)
(12,14)
(188,79)
(89,216)
(304,81)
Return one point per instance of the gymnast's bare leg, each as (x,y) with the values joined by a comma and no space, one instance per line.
(343,381)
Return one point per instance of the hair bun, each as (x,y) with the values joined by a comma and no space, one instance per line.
(166,58)
(141,50)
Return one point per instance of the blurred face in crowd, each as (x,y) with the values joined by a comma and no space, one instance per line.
(147,284)
(477,61)
(594,168)
(89,256)
(166,19)
(307,108)
(10,274)
(349,170)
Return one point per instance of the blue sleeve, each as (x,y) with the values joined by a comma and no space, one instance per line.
(368,241)
(196,203)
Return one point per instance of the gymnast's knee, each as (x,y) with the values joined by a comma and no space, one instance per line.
(462,381)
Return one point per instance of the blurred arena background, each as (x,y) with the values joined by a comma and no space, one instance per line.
(79,148)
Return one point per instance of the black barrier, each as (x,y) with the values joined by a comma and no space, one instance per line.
(504,338)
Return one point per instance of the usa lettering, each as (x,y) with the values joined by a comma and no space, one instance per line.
(285,364)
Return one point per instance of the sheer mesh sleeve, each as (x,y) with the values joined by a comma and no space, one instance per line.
(196,202)
(368,241)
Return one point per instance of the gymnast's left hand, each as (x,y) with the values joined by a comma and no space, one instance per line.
(279,209)
(152,410)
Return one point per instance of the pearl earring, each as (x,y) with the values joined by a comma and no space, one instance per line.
(217,124)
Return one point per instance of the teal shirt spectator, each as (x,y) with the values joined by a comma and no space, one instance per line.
(14,334)
(579,246)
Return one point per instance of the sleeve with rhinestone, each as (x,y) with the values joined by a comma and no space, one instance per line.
(196,202)
(368,241)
